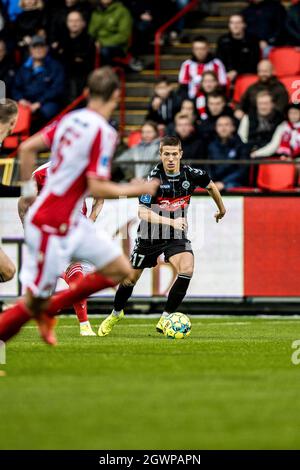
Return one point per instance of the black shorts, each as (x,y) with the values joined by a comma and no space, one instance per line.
(145,254)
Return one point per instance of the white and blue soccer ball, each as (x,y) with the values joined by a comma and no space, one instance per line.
(177,326)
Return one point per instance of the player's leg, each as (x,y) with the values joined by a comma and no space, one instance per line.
(183,263)
(72,276)
(7,268)
(123,293)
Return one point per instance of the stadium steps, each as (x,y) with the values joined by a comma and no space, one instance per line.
(139,86)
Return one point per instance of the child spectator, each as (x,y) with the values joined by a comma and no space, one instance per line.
(164,104)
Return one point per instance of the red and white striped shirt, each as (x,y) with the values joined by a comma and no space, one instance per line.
(290,140)
(82,145)
(191,74)
(40,176)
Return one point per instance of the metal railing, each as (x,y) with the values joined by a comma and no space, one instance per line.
(164,27)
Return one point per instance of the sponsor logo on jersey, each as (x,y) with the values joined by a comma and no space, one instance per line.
(165,186)
(146,198)
(173,204)
(186,184)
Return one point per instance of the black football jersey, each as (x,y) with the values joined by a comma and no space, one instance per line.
(171,200)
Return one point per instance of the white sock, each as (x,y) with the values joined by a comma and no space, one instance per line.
(85,323)
(116,313)
(165,314)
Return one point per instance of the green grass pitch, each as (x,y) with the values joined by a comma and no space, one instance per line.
(230,385)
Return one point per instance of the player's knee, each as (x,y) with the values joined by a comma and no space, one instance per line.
(187,270)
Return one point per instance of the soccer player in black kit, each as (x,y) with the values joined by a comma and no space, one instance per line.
(163,229)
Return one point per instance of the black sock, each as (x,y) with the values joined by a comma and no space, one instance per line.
(177,293)
(122,295)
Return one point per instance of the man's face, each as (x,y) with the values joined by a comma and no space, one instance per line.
(2,50)
(148,134)
(170,157)
(216,105)
(200,50)
(264,70)
(75,23)
(163,90)
(294,115)
(264,105)
(184,127)
(30,3)
(38,52)
(236,25)
(209,83)
(187,107)
(224,128)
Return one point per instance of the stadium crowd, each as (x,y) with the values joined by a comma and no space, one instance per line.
(48,48)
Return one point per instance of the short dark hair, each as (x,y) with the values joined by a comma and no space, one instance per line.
(162,79)
(8,109)
(216,94)
(200,39)
(170,140)
(102,83)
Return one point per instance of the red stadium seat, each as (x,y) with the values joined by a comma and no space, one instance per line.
(242,84)
(286,61)
(273,177)
(134,138)
(292,84)
(22,129)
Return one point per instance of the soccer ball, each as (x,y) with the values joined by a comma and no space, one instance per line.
(177,326)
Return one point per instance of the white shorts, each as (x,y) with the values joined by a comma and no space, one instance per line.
(49,254)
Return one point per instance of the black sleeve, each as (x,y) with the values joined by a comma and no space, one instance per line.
(199,177)
(9,191)
(146,199)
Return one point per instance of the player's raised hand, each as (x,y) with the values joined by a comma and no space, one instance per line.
(180,223)
(219,215)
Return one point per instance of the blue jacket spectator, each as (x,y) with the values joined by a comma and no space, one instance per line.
(39,82)
(228,146)
(12,8)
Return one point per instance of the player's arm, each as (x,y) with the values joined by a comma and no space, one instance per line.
(28,153)
(215,194)
(152,217)
(23,206)
(96,208)
(110,190)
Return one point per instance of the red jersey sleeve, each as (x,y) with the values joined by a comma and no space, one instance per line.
(48,133)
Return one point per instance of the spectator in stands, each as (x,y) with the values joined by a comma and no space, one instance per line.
(39,83)
(289,146)
(7,68)
(164,104)
(144,14)
(265,20)
(111,27)
(147,150)
(266,82)
(30,21)
(209,84)
(286,138)
(238,51)
(216,107)
(227,145)
(293,24)
(258,128)
(192,145)
(77,51)
(191,71)
(12,8)
(57,18)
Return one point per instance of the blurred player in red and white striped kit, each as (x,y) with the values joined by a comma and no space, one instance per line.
(75,271)
(82,146)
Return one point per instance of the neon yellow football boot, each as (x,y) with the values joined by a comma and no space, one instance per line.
(109,322)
